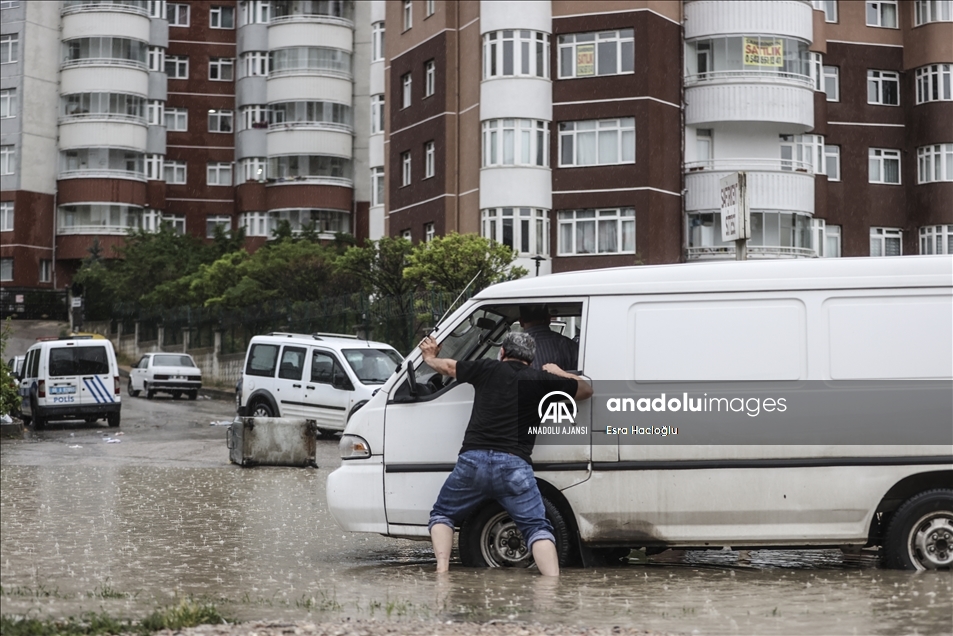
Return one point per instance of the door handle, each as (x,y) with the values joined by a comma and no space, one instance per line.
(309,387)
(295,386)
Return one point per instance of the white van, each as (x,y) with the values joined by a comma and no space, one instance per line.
(70,378)
(867,319)
(320,377)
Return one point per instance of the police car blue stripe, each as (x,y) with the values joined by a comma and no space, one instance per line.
(106,392)
(93,390)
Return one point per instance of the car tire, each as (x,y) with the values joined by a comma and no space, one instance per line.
(132,391)
(113,420)
(260,408)
(489,538)
(39,422)
(149,392)
(920,533)
(193,395)
(176,395)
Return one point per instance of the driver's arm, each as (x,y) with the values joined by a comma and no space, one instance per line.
(443,366)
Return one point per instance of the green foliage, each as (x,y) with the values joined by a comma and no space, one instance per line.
(9,397)
(187,613)
(448,263)
(379,266)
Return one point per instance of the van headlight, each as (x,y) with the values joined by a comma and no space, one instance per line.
(354,447)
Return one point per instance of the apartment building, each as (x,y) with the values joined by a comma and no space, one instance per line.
(583,134)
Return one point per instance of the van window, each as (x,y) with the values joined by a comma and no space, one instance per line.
(372,366)
(262,359)
(78,361)
(322,367)
(35,364)
(292,363)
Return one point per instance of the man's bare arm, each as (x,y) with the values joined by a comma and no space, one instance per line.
(583,388)
(443,366)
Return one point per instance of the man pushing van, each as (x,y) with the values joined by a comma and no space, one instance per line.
(494,461)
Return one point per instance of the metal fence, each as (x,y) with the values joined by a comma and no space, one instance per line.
(34,304)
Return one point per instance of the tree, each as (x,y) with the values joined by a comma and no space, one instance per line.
(9,396)
(98,282)
(448,263)
(379,266)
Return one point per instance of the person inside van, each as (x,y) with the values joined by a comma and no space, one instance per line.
(550,346)
(494,461)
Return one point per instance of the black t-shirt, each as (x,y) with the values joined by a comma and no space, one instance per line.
(495,422)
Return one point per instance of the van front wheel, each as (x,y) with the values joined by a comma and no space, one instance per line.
(920,535)
(490,538)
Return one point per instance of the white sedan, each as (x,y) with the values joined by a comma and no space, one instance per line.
(173,373)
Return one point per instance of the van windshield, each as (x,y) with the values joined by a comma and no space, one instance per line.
(78,361)
(172,361)
(372,366)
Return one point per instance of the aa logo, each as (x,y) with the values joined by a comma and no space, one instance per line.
(553,408)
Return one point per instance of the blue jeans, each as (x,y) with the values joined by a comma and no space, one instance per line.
(486,474)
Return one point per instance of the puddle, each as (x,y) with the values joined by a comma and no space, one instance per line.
(261,544)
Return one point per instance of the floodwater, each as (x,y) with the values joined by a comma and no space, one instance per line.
(261,543)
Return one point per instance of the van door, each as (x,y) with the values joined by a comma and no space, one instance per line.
(422,438)
(328,394)
(289,388)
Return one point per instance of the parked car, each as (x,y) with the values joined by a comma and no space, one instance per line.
(70,378)
(815,325)
(321,377)
(173,373)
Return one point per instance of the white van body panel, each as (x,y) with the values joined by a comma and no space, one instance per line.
(825,319)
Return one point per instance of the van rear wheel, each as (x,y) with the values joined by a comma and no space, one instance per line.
(920,534)
(261,409)
(113,420)
(490,538)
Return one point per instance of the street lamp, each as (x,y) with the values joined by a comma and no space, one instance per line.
(539,259)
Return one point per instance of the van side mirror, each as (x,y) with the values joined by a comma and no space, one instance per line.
(339,380)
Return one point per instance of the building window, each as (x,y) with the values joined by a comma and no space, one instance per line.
(113,162)
(110,106)
(933,11)
(829,7)
(8,103)
(254,64)
(221,69)
(177,66)
(323,221)
(7,159)
(405,169)
(219,173)
(321,114)
(177,119)
(255,12)
(222,18)
(515,142)
(429,232)
(936,239)
(429,158)
(220,121)
(591,54)
(884,166)
(526,230)
(6,269)
(406,83)
(832,162)
(597,142)
(98,218)
(154,113)
(254,223)
(175,172)
(882,14)
(817,70)
(703,146)
(802,153)
(9,48)
(214,222)
(254,117)
(377,186)
(156,59)
(253,168)
(516,53)
(886,241)
(154,165)
(377,42)
(609,231)
(933,83)
(750,55)
(177,14)
(431,7)
(832,83)
(935,163)
(9,4)
(6,216)
(177,223)
(157,9)
(151,220)
(108,50)
(883,87)
(323,168)
(826,239)
(377,114)
(309,59)
(408,14)
(46,271)
(430,72)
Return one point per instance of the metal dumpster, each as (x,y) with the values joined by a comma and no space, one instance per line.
(272,441)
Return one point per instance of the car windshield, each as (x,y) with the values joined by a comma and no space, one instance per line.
(372,366)
(172,361)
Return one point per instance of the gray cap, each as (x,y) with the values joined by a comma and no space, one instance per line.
(519,345)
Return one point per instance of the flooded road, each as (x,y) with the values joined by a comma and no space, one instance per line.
(86,524)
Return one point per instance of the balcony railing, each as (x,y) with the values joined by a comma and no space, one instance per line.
(104,117)
(137,7)
(337,181)
(101,173)
(310,125)
(320,72)
(755,252)
(105,61)
(739,76)
(95,229)
(750,164)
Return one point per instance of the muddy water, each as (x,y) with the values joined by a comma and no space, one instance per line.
(261,543)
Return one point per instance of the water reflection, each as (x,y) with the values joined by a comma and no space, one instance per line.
(261,542)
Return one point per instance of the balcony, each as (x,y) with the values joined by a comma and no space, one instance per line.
(793,18)
(747,96)
(773,184)
(137,7)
